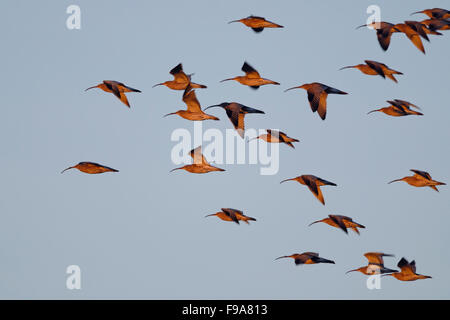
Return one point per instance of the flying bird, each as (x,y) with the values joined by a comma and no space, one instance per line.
(194,111)
(228,214)
(117,88)
(91,168)
(275,136)
(341,222)
(412,34)
(435,13)
(313,183)
(199,165)
(375,68)
(421,179)
(384,32)
(307,258)
(375,265)
(251,78)
(180,80)
(236,113)
(317,96)
(407,271)
(436,24)
(421,29)
(399,108)
(257,23)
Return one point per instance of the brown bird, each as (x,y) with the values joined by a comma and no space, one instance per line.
(436,24)
(317,96)
(199,165)
(91,168)
(117,88)
(306,258)
(180,80)
(421,179)
(384,32)
(257,23)
(408,271)
(251,78)
(422,30)
(375,265)
(435,13)
(228,214)
(341,222)
(399,108)
(313,183)
(236,113)
(274,136)
(412,34)
(194,111)
(375,68)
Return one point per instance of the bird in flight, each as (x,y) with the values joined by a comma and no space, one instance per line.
(375,68)
(407,271)
(228,214)
(435,13)
(412,33)
(384,32)
(421,179)
(317,96)
(275,136)
(306,258)
(341,222)
(199,165)
(180,80)
(236,113)
(313,183)
(91,168)
(257,23)
(251,78)
(436,24)
(194,111)
(375,265)
(399,108)
(117,88)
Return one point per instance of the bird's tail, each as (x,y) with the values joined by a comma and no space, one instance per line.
(323,260)
(336,91)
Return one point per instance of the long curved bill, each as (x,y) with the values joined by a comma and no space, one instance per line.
(416,12)
(351,271)
(364,25)
(373,111)
(348,67)
(169,114)
(175,169)
(395,180)
(210,215)
(298,87)
(227,79)
(67,169)
(281,257)
(216,105)
(234,21)
(287,180)
(91,88)
(158,84)
(314,222)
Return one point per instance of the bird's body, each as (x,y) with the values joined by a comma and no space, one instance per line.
(412,34)
(91,168)
(251,78)
(180,80)
(306,258)
(375,265)
(375,68)
(342,222)
(194,111)
(274,136)
(236,113)
(257,24)
(317,96)
(313,183)
(117,88)
(420,179)
(384,32)
(436,24)
(199,165)
(407,271)
(435,13)
(229,214)
(399,108)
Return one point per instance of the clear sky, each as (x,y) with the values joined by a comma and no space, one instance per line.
(141,233)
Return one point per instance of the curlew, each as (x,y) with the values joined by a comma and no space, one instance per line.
(257,24)
(228,214)
(384,32)
(407,271)
(375,68)
(313,183)
(117,88)
(341,222)
(91,168)
(180,80)
(399,108)
(317,96)
(421,179)
(275,136)
(306,258)
(236,113)
(435,13)
(199,165)
(251,78)
(412,34)
(436,24)
(375,265)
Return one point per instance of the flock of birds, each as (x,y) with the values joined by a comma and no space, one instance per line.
(439,19)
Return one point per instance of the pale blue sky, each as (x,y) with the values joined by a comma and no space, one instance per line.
(141,233)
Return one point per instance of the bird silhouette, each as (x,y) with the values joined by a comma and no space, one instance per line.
(375,264)
(399,108)
(117,88)
(251,78)
(384,32)
(341,222)
(317,96)
(421,179)
(407,271)
(412,34)
(228,214)
(313,183)
(199,165)
(306,258)
(257,24)
(91,168)
(275,136)
(375,68)
(180,80)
